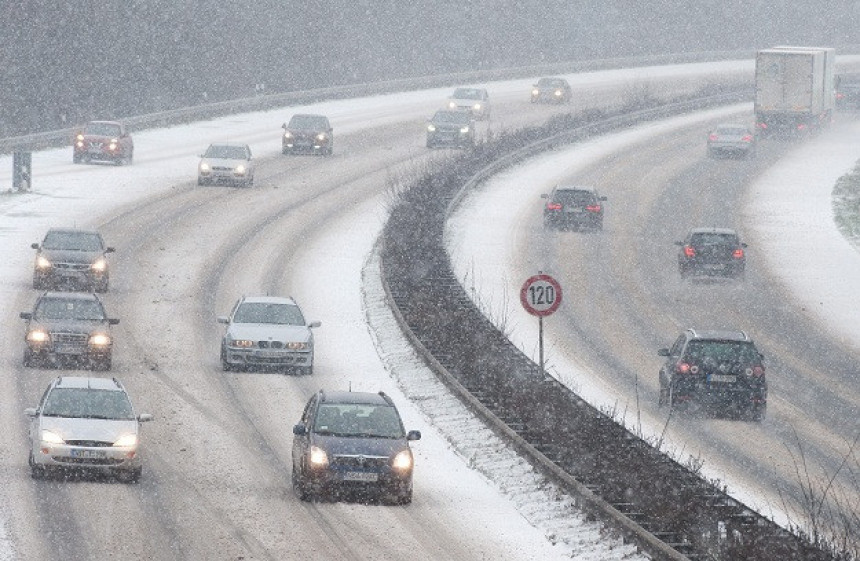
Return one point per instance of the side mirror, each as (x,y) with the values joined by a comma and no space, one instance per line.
(679,243)
(314,324)
(284,126)
(544,195)
(26,315)
(663,352)
(601,198)
(113,321)
(223,319)
(145,417)
(30,412)
(300,430)
(34,246)
(109,250)
(743,245)
(413,435)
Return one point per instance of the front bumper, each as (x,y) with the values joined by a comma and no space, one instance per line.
(103,459)
(267,358)
(70,275)
(359,481)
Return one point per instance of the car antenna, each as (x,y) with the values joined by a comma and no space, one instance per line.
(350,386)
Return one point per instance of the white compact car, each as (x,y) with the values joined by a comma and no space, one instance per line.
(474,100)
(226,163)
(87,425)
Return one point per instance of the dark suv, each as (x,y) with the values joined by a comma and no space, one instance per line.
(352,442)
(71,257)
(309,134)
(577,207)
(68,327)
(712,252)
(719,369)
(455,129)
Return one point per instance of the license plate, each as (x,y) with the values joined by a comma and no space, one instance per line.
(75,453)
(724,378)
(270,354)
(573,210)
(360,476)
(68,349)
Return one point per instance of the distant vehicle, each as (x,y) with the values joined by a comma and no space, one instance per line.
(731,140)
(85,425)
(71,257)
(226,163)
(551,90)
(722,370)
(355,443)
(794,89)
(103,141)
(309,134)
(848,91)
(68,328)
(712,252)
(573,207)
(452,128)
(474,100)
(267,332)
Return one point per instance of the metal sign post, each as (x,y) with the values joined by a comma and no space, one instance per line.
(540,295)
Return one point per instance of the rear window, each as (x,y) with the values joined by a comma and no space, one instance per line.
(574,197)
(710,238)
(742,352)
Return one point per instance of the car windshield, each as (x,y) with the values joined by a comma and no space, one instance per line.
(308,122)
(363,420)
(69,308)
(467,93)
(264,312)
(573,197)
(455,117)
(711,238)
(88,404)
(733,131)
(227,152)
(102,129)
(550,83)
(741,352)
(72,241)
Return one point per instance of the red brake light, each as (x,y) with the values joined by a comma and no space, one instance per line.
(839,95)
(801,126)
(747,138)
(713,136)
(738,253)
(761,125)
(682,368)
(689,251)
(553,206)
(593,208)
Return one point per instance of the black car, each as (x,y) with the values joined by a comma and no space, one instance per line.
(352,443)
(576,207)
(848,91)
(551,90)
(68,328)
(722,370)
(69,257)
(308,134)
(451,128)
(711,252)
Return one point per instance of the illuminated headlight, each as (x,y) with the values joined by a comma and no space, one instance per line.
(242,343)
(402,461)
(477,107)
(298,346)
(557,92)
(288,134)
(49,437)
(535,91)
(42,263)
(99,265)
(80,139)
(318,457)
(321,137)
(79,143)
(38,336)
(240,169)
(452,105)
(431,128)
(464,130)
(204,167)
(113,144)
(99,340)
(126,440)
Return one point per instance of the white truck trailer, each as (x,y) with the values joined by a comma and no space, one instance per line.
(794,89)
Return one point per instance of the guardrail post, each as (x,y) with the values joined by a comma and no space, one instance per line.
(21,171)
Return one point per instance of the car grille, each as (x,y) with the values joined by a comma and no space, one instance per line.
(90,443)
(222,168)
(360,462)
(88,461)
(69,338)
(270,344)
(72,266)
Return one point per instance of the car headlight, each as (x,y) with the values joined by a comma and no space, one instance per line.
(557,92)
(38,336)
(452,105)
(535,91)
(318,457)
(204,167)
(99,340)
(42,263)
(99,265)
(431,128)
(80,139)
(321,136)
(243,343)
(296,346)
(477,107)
(113,144)
(240,169)
(288,134)
(126,440)
(402,461)
(51,437)
(464,130)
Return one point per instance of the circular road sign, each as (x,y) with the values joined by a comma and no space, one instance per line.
(540,295)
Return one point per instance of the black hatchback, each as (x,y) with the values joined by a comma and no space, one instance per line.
(712,252)
(352,443)
(573,207)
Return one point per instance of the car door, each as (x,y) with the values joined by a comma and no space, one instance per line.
(675,350)
(301,442)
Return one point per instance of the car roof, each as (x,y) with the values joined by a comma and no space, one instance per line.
(237,144)
(104,123)
(720,334)
(309,115)
(73,231)
(575,188)
(723,231)
(361,398)
(269,300)
(86,382)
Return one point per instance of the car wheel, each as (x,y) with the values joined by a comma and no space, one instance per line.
(299,487)
(119,161)
(29,358)
(130,475)
(225,366)
(758,412)
(103,364)
(38,283)
(201,181)
(101,287)
(663,397)
(405,498)
(76,159)
(306,370)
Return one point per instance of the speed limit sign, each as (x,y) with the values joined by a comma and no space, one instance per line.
(540,295)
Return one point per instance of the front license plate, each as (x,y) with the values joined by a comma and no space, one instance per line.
(360,476)
(75,453)
(68,350)
(724,378)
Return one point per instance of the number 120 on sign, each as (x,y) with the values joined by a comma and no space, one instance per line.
(541,295)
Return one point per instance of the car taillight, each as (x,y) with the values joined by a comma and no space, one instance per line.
(553,206)
(689,251)
(713,137)
(839,95)
(747,138)
(757,371)
(801,126)
(761,125)
(593,208)
(682,368)
(738,253)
